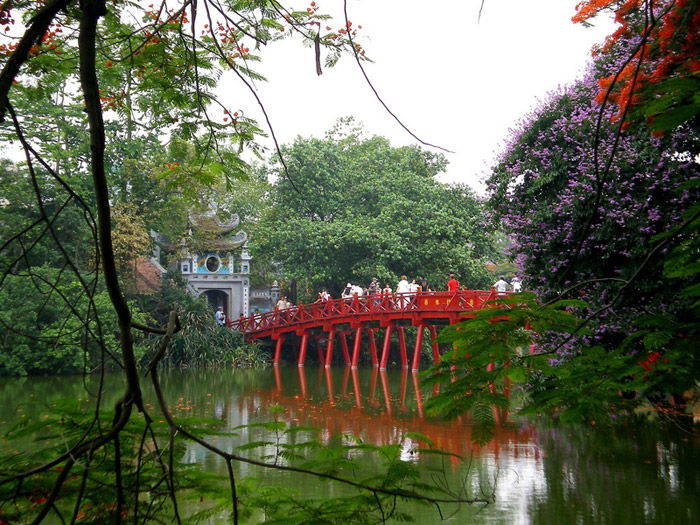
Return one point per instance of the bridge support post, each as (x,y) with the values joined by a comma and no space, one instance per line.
(344,346)
(385,346)
(356,347)
(278,350)
(402,346)
(329,347)
(373,348)
(417,348)
(436,347)
(302,348)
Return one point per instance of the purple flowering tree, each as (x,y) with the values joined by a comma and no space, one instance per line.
(586,203)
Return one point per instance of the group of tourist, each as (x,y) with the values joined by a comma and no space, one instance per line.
(501,285)
(283,303)
(374,288)
(404,286)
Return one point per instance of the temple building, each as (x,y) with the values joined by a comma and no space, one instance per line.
(216,263)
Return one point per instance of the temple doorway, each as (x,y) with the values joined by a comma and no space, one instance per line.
(217,298)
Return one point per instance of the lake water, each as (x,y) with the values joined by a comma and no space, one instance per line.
(540,473)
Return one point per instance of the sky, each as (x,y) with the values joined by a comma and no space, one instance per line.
(454,80)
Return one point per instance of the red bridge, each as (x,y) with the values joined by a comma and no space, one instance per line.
(324,321)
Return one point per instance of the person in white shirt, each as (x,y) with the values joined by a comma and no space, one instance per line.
(516,284)
(402,287)
(220,316)
(501,286)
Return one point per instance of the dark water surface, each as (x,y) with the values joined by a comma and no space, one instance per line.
(540,472)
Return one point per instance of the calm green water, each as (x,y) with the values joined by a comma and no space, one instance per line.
(540,473)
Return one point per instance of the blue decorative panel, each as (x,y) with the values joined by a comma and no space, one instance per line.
(213,263)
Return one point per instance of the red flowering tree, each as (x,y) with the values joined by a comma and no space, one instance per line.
(659,77)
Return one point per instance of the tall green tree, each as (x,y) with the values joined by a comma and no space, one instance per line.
(354,208)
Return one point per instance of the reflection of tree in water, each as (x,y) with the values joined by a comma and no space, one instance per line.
(636,474)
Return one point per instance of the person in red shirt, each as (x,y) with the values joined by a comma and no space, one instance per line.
(452,284)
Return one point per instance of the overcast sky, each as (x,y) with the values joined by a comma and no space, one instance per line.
(455,81)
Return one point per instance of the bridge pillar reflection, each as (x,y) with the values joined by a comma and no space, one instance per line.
(356,388)
(302,384)
(373,386)
(387,393)
(329,385)
(419,395)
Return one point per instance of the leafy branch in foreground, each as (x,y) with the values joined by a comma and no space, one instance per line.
(377,480)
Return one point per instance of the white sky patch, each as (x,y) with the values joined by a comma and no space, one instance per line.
(454,81)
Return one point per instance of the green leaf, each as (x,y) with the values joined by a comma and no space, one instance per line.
(675,117)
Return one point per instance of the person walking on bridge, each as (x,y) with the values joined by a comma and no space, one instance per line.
(501,286)
(373,288)
(453,284)
(402,288)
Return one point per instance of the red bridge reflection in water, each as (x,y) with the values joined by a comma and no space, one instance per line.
(336,318)
(366,403)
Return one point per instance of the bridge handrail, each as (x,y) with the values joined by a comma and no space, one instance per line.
(461,301)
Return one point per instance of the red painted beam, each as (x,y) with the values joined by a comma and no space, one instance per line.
(329,348)
(344,346)
(373,348)
(417,348)
(402,347)
(385,346)
(356,347)
(436,347)
(302,348)
(278,350)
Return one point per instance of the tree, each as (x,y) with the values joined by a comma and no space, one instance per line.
(360,208)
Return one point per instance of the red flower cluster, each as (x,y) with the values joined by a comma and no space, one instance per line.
(670,43)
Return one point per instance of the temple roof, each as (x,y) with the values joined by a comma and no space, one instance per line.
(219,231)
